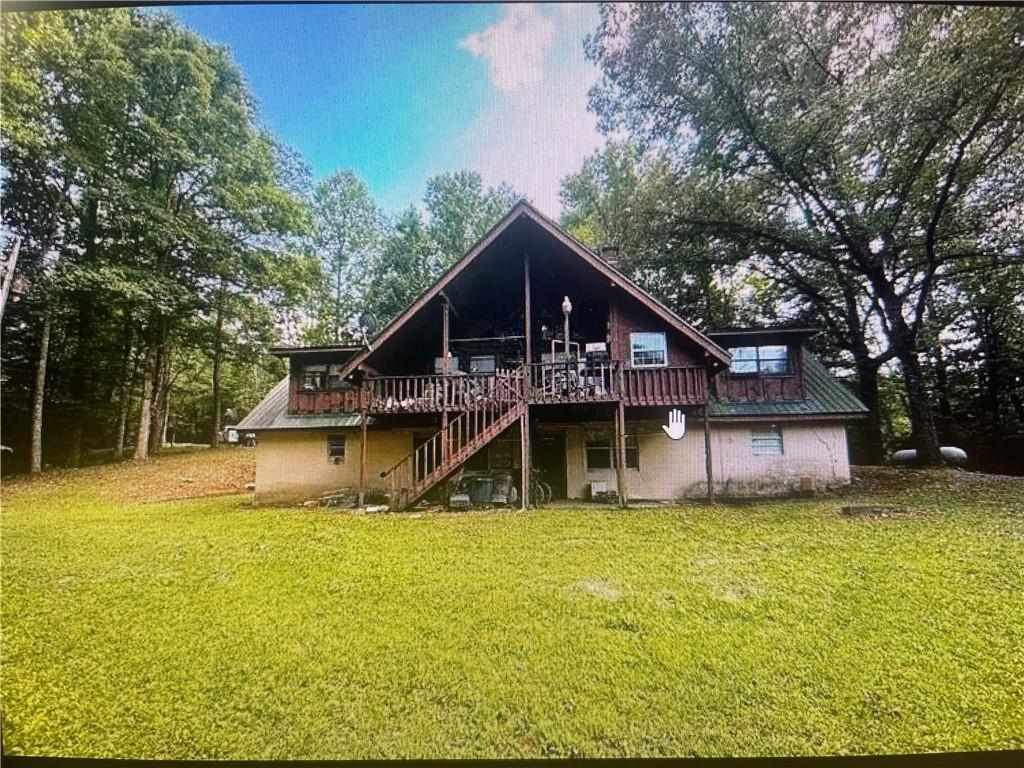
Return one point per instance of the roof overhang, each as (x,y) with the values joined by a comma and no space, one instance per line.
(319,350)
(734,337)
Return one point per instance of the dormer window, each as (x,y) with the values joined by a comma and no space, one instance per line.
(767,360)
(314,377)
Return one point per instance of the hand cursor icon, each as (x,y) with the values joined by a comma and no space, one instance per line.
(676,424)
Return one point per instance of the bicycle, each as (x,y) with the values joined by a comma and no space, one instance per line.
(540,492)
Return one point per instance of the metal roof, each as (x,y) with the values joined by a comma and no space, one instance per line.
(824,395)
(272,413)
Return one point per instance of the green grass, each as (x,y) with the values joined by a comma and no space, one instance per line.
(207,629)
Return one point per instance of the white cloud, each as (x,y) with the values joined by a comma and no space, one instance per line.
(514,48)
(535,134)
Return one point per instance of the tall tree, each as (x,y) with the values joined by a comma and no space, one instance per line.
(461,210)
(868,142)
(407,265)
(627,200)
(349,232)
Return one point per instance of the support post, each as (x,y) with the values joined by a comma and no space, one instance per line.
(526,314)
(445,373)
(524,458)
(620,452)
(708,466)
(362,459)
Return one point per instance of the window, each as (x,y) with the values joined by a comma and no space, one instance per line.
(482,364)
(766,442)
(334,380)
(314,376)
(601,453)
(648,350)
(769,360)
(336,448)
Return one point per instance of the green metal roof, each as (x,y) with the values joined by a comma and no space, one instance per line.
(272,413)
(824,395)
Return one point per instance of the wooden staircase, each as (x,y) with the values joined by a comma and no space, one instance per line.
(475,424)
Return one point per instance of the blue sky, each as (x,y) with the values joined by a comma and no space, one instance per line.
(399,93)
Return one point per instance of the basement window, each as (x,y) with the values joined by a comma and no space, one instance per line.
(648,350)
(601,453)
(766,442)
(336,448)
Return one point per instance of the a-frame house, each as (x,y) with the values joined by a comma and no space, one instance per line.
(533,354)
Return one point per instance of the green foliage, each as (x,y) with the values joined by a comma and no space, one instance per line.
(461,210)
(628,200)
(185,628)
(859,155)
(154,210)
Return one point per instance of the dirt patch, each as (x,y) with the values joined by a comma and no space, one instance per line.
(595,588)
(168,477)
(882,481)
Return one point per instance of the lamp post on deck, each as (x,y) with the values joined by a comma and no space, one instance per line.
(566,310)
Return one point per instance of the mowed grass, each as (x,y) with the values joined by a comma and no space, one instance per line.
(205,628)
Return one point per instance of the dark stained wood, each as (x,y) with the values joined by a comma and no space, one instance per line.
(759,388)
(620,453)
(362,458)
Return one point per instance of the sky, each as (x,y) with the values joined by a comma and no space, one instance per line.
(399,93)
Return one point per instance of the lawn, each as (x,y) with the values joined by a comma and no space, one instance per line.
(204,628)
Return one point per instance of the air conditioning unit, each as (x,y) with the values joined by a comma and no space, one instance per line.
(598,489)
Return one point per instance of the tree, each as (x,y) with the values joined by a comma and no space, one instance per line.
(461,210)
(349,232)
(625,199)
(857,151)
(149,200)
(408,264)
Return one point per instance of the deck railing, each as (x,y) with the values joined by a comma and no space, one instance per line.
(568,382)
(547,383)
(674,385)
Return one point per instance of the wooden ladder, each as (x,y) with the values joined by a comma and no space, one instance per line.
(470,429)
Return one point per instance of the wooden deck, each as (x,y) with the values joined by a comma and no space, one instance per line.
(546,383)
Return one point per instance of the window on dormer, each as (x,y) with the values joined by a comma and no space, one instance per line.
(768,360)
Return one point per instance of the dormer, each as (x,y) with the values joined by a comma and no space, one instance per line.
(767,364)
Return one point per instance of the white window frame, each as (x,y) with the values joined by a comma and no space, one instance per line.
(767,441)
(633,349)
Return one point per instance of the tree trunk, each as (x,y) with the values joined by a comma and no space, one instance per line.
(218,350)
(159,401)
(125,405)
(868,443)
(145,406)
(921,416)
(38,396)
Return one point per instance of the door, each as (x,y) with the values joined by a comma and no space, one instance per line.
(549,457)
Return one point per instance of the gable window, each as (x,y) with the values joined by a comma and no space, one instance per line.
(482,364)
(648,350)
(766,441)
(601,453)
(770,360)
(336,448)
(313,377)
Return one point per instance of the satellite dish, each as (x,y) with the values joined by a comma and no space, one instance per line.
(368,322)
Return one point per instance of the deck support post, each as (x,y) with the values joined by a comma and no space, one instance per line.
(620,452)
(528,351)
(708,466)
(445,373)
(524,457)
(362,458)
